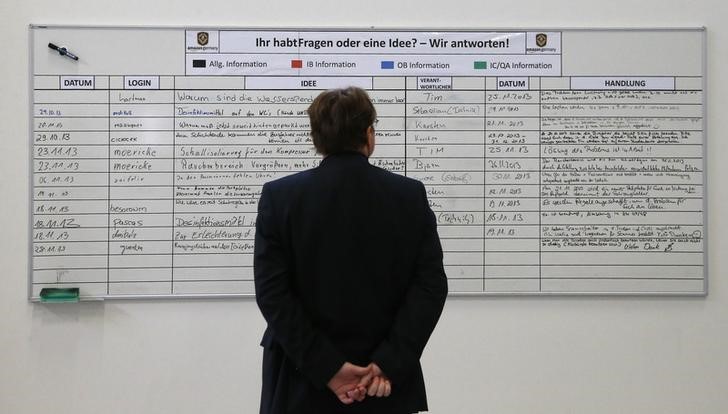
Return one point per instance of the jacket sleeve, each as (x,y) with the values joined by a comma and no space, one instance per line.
(306,346)
(421,307)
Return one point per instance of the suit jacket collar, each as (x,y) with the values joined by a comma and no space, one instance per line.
(346,157)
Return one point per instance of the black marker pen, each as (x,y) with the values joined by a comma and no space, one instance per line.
(63,51)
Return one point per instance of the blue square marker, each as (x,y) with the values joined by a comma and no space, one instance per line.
(387,64)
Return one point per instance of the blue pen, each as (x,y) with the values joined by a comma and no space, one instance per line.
(63,51)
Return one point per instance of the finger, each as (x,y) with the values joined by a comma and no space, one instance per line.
(353,394)
(345,399)
(373,387)
(357,394)
(365,380)
(388,388)
(362,394)
(380,389)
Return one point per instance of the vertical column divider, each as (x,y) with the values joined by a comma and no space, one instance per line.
(108,186)
(174,172)
(540,192)
(485,167)
(405,126)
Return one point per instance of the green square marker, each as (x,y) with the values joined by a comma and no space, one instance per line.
(480,64)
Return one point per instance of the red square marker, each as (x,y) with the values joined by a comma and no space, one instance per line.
(296,64)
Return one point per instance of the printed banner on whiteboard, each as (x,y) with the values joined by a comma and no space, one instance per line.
(372,53)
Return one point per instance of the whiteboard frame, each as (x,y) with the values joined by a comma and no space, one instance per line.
(575,294)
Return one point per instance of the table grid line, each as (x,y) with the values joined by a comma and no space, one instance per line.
(403,165)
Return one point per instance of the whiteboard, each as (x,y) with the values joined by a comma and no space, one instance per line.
(557,161)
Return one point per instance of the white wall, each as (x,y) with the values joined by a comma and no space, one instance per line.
(488,355)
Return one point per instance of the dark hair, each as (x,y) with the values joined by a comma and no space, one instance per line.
(340,119)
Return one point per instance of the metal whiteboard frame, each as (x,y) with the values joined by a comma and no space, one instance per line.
(656,295)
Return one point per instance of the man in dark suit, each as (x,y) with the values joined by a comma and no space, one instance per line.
(348,275)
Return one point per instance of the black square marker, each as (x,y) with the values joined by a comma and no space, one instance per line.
(199,63)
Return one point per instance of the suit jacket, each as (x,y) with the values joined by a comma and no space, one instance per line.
(348,267)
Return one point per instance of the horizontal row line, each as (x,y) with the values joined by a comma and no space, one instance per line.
(390,142)
(505,101)
(474,197)
(409,170)
(438,211)
(171,280)
(411,157)
(407,116)
(426,185)
(250,267)
(544,131)
(476,252)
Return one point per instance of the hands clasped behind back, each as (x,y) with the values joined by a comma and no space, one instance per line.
(353,383)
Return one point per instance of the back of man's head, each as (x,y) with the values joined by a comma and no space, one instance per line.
(340,119)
